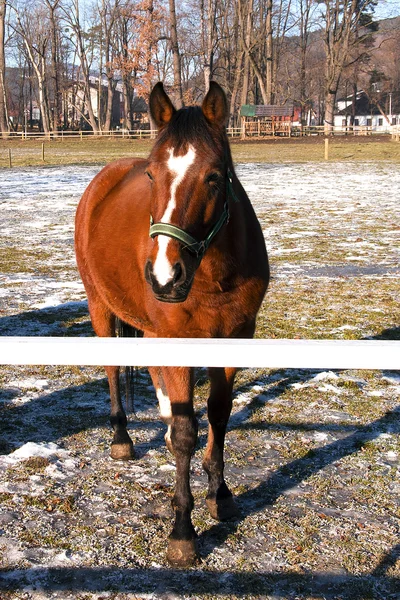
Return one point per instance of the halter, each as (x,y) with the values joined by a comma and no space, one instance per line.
(188,241)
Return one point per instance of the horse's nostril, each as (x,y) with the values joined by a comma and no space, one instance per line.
(178,274)
(148,272)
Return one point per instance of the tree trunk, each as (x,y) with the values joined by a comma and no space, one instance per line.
(57,105)
(109,105)
(305,8)
(246,66)
(342,22)
(74,19)
(4,128)
(208,27)
(39,68)
(127,94)
(269,65)
(232,116)
(330,99)
(249,54)
(175,55)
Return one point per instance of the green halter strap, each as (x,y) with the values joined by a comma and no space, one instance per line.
(189,242)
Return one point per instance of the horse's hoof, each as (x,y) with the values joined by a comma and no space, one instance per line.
(223,510)
(182,553)
(123,451)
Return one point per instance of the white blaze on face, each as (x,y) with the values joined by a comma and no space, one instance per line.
(178,166)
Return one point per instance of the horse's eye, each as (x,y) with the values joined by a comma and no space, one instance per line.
(149,175)
(213,178)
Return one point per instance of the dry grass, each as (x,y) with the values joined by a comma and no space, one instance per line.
(272,150)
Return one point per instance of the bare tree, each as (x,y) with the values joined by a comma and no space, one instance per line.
(109,14)
(57,106)
(4,128)
(305,8)
(175,55)
(269,57)
(208,10)
(73,18)
(32,26)
(259,48)
(342,21)
(246,19)
(138,27)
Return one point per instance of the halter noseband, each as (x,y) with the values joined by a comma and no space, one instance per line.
(188,241)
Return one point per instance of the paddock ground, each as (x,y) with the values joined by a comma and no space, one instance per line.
(313,457)
(272,150)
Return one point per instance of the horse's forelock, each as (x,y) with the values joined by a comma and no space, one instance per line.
(188,126)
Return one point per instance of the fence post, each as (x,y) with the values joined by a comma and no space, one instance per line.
(42,151)
(326,148)
(9,158)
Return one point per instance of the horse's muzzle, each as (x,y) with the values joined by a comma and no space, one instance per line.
(176,289)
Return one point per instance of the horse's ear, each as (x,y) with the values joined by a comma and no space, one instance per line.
(215,105)
(161,107)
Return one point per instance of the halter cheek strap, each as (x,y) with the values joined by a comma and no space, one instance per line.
(189,242)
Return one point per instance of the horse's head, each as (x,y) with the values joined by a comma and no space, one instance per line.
(189,170)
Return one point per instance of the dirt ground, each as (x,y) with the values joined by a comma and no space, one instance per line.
(313,457)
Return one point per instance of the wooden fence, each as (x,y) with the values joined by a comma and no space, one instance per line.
(184,352)
(81,135)
(248,129)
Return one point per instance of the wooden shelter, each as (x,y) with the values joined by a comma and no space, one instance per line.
(266,119)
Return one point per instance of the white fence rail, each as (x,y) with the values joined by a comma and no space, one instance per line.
(282,353)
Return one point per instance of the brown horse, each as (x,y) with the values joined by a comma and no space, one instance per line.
(171,246)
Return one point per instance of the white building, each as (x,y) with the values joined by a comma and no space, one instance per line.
(379,112)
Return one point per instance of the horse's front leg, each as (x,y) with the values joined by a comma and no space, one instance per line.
(219,499)
(176,396)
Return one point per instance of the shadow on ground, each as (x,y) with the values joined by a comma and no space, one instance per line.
(202,582)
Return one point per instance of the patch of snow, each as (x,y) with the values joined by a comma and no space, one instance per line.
(391,455)
(242,398)
(257,388)
(168,467)
(395,378)
(319,436)
(299,386)
(325,375)
(33,449)
(48,302)
(329,388)
(30,383)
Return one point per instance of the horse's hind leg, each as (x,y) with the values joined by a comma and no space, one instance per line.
(103,321)
(219,499)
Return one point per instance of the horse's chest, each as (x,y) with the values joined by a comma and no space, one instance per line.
(220,315)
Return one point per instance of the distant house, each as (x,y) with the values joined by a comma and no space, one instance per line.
(77,106)
(378,112)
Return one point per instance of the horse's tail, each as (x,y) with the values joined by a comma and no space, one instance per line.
(122,329)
